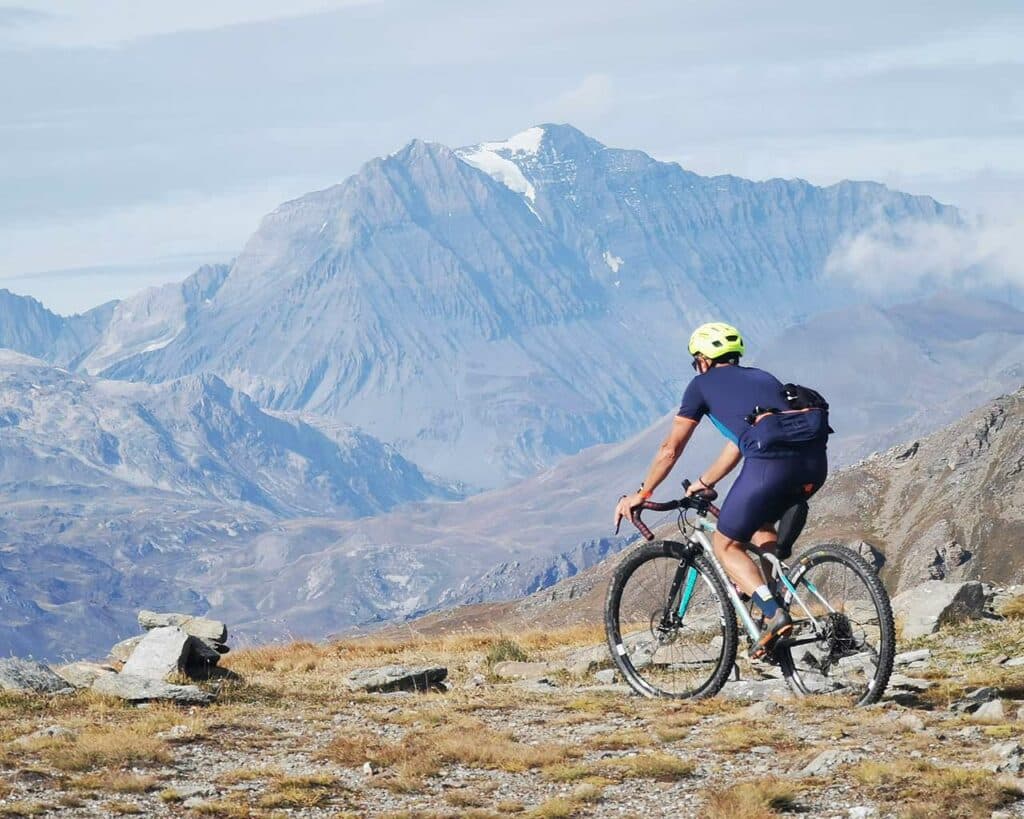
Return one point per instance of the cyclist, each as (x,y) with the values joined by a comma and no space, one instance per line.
(779,468)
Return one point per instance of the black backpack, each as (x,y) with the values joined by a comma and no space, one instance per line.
(799,397)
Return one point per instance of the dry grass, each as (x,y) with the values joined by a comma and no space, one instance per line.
(556,808)
(762,799)
(1013,609)
(504,650)
(465,798)
(22,808)
(101,747)
(122,808)
(741,736)
(115,781)
(422,753)
(622,740)
(922,789)
(223,809)
(657,766)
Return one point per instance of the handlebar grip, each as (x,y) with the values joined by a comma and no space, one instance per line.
(634,516)
(703,494)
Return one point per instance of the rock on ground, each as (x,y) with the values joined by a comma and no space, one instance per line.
(123,650)
(140,689)
(83,674)
(522,670)
(932,604)
(396,678)
(30,677)
(827,760)
(201,627)
(49,732)
(991,711)
(161,652)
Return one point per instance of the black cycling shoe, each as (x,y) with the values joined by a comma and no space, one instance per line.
(778,626)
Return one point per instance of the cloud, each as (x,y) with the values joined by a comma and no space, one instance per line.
(593,97)
(894,260)
(58,23)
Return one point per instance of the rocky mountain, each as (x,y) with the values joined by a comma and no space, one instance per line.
(220,512)
(114,496)
(28,327)
(949,506)
(195,436)
(493,308)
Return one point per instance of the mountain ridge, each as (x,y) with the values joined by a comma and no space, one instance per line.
(482,329)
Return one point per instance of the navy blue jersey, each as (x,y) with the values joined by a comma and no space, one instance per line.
(728,394)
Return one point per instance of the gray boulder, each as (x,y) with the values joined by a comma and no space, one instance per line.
(123,650)
(201,627)
(991,711)
(30,677)
(396,678)
(829,759)
(1009,758)
(930,605)
(523,670)
(83,674)
(161,652)
(140,689)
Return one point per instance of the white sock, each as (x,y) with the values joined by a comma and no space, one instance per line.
(763,592)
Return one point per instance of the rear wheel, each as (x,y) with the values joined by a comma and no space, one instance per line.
(670,625)
(843,641)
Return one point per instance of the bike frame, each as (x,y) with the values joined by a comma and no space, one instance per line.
(700,537)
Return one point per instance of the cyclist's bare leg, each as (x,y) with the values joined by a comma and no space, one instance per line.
(741,569)
(766,539)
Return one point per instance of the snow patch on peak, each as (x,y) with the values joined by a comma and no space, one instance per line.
(493,158)
(614,262)
(497,167)
(525,142)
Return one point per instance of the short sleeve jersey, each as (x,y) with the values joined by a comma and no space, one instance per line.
(726,395)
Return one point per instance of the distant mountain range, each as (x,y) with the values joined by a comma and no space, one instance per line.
(492,309)
(283,440)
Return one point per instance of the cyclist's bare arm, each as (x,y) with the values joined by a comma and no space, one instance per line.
(722,466)
(668,453)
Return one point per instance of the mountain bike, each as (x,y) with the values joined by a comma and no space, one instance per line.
(671,612)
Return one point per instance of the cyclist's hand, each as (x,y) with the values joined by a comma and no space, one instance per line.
(695,488)
(626,504)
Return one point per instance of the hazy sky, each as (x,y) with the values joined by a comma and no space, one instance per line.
(138,139)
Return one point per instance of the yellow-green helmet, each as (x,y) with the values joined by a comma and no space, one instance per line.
(716,339)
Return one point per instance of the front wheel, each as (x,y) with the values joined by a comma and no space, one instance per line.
(844,639)
(671,628)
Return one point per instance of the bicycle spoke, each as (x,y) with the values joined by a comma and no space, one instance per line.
(846,651)
(669,655)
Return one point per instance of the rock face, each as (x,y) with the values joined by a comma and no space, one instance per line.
(30,677)
(140,689)
(948,508)
(396,678)
(84,674)
(161,652)
(933,604)
(123,650)
(211,631)
(508,280)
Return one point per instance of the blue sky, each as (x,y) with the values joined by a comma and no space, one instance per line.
(138,139)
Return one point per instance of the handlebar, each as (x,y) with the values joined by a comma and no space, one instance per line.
(700,502)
